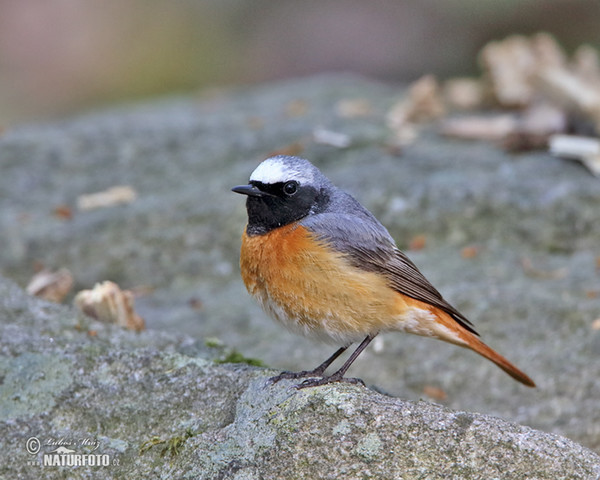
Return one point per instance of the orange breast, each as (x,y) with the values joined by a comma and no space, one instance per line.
(313,290)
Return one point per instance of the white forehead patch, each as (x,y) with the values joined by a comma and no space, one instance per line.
(275,170)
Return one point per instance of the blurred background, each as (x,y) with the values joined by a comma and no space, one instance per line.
(58,57)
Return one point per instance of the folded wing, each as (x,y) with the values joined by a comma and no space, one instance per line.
(369,246)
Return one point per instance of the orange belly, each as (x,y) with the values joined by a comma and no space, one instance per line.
(314,291)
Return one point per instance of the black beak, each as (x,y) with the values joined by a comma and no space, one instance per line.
(250,190)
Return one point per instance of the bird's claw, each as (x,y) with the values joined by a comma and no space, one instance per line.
(292,375)
(316,382)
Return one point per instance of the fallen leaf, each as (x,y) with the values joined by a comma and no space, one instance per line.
(402,137)
(480,127)
(435,392)
(508,65)
(464,93)
(470,251)
(51,286)
(195,303)
(571,91)
(511,65)
(119,195)
(584,149)
(354,108)
(535,127)
(64,212)
(107,303)
(586,63)
(523,141)
(422,104)
(527,130)
(417,242)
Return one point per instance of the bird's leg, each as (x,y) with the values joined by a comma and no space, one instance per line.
(339,375)
(317,372)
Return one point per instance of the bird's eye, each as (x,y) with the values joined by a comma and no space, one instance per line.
(289,188)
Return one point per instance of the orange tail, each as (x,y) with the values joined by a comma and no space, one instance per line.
(453,332)
(482,349)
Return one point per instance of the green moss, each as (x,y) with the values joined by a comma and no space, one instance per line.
(213,342)
(172,445)
(236,357)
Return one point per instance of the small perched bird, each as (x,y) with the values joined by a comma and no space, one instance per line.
(322,265)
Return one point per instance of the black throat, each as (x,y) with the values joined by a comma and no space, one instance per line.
(276,210)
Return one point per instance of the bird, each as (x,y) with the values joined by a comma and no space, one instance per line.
(322,265)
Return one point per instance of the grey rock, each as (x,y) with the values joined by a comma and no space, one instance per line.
(181,237)
(157,405)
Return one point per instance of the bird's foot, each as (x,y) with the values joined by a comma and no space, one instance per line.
(295,375)
(316,382)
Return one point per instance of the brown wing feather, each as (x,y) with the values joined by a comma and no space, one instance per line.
(405,278)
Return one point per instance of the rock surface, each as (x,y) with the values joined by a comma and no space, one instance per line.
(162,406)
(532,289)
